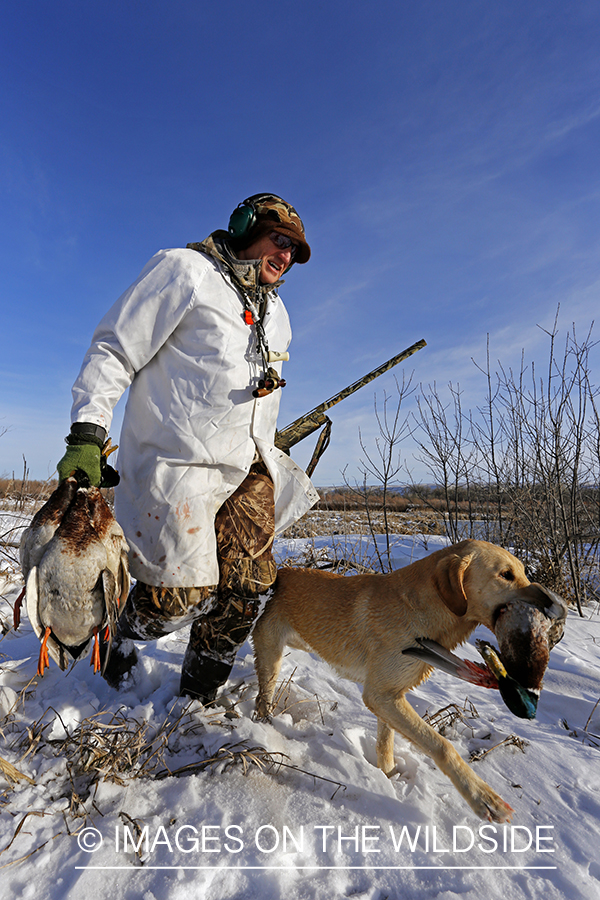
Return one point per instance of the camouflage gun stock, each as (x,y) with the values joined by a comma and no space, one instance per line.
(316,418)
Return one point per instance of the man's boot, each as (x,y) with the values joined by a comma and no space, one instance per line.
(122,660)
(202,676)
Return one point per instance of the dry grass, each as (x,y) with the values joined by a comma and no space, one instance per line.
(321,522)
(12,773)
(339,499)
(112,746)
(355,559)
(238,754)
(591,738)
(22,492)
(446,718)
(116,747)
(284,701)
(512,740)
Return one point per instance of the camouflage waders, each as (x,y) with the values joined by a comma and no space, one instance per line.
(222,615)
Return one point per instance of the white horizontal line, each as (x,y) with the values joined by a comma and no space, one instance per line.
(298,868)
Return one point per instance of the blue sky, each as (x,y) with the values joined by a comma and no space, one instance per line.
(445,157)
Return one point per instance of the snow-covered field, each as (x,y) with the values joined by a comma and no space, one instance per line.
(327,823)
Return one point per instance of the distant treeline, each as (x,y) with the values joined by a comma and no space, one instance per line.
(19,489)
(401,500)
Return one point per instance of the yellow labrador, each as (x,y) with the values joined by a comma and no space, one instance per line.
(362,623)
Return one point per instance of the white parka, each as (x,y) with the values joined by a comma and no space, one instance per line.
(178,338)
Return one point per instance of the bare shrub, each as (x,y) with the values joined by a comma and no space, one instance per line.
(383,465)
(522,470)
(527,463)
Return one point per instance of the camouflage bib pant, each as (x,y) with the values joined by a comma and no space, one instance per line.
(222,615)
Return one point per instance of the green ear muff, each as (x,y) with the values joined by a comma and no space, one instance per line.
(241,220)
(244,216)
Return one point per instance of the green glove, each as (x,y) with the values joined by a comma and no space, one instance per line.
(81,458)
(86,457)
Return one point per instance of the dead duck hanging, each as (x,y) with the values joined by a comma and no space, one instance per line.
(74,561)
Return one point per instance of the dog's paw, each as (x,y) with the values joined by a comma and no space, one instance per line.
(262,713)
(501,812)
(488,805)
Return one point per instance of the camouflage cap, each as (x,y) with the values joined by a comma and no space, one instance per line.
(274,214)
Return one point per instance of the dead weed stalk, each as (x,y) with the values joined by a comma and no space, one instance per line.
(446,718)
(121,746)
(238,754)
(512,740)
(246,757)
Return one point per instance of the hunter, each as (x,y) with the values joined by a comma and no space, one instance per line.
(197,339)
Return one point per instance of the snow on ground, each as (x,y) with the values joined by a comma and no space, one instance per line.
(328,824)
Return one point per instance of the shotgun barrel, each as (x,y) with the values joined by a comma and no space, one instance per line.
(313,420)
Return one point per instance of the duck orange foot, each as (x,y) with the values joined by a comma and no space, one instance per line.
(44,662)
(95,660)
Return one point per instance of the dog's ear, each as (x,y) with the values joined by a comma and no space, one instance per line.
(449,581)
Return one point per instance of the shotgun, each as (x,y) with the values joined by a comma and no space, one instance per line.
(313,420)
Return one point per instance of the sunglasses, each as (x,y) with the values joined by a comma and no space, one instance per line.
(283,242)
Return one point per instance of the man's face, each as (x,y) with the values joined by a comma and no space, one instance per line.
(274,260)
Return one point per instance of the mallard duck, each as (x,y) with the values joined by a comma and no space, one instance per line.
(435,655)
(74,560)
(527,629)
